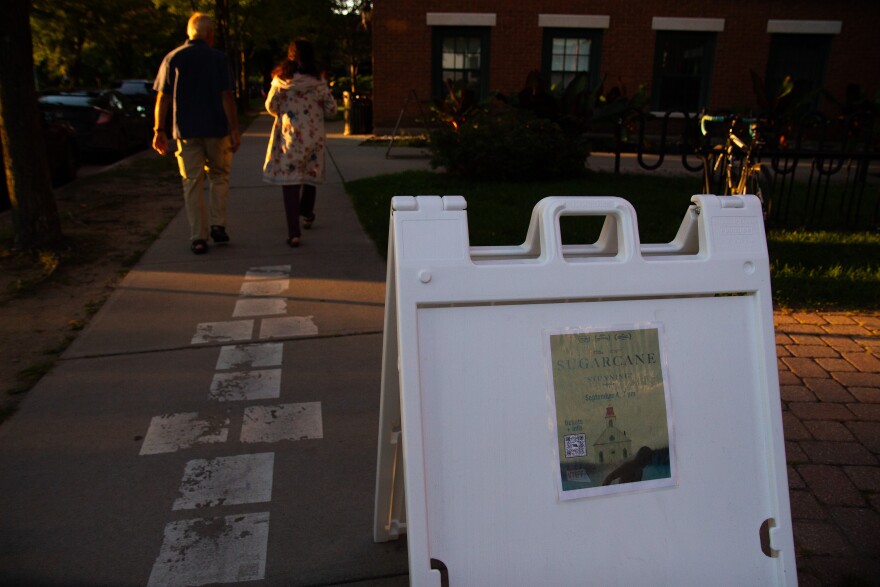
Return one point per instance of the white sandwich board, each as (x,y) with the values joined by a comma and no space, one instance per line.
(604,414)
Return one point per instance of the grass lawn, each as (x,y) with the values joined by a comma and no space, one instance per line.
(810,270)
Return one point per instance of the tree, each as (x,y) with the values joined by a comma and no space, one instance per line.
(94,42)
(35,219)
(353,34)
(65,30)
(255,33)
(233,27)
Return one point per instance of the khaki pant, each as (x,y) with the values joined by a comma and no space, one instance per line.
(195,157)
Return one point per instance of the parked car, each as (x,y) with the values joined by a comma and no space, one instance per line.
(107,123)
(141,92)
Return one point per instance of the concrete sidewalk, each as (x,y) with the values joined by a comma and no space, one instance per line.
(217,420)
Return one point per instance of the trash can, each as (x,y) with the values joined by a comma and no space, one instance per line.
(358,114)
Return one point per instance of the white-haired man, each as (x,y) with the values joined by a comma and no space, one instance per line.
(195,80)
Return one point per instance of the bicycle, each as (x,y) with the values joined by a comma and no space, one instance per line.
(733,166)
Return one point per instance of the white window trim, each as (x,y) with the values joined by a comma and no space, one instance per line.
(461,19)
(574,21)
(805,27)
(665,23)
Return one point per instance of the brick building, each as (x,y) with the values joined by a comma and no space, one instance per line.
(689,54)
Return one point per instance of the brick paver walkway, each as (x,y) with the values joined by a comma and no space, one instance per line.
(829,377)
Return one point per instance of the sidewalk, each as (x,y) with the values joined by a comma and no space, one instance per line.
(217,420)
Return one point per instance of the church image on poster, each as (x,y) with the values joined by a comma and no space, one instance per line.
(612,446)
(611,411)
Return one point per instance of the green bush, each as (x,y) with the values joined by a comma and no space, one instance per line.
(507,144)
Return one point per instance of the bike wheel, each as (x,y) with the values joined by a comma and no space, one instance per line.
(758,183)
(765,180)
(735,176)
(714,172)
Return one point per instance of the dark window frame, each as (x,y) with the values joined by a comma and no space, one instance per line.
(666,82)
(439,34)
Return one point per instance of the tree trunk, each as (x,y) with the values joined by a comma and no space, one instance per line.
(221,26)
(35,219)
(223,38)
(244,94)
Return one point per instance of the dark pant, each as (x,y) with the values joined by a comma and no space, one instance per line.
(299,200)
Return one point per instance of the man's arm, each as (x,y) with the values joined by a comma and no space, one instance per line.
(231,111)
(160,133)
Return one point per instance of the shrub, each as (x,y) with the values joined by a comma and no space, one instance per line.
(507,144)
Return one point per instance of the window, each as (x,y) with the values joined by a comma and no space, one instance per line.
(568,52)
(461,55)
(682,69)
(804,58)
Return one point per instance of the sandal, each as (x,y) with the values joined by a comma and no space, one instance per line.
(293,242)
(308,221)
(199,247)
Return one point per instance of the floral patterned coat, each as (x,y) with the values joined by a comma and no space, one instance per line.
(296,144)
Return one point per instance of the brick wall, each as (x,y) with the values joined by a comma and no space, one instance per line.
(402,44)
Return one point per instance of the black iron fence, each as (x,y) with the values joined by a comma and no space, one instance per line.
(823,173)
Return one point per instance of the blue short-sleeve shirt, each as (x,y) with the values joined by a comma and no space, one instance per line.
(195,75)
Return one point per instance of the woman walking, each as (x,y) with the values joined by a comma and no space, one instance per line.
(299,100)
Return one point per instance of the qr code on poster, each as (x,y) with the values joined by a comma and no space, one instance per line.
(575,445)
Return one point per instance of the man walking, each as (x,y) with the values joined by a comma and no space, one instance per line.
(195,79)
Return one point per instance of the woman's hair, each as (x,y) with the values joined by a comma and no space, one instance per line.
(300,59)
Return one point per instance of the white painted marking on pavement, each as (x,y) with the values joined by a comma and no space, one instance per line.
(246,385)
(260,307)
(247,356)
(265,288)
(268,271)
(301,421)
(172,432)
(212,550)
(226,481)
(223,331)
(289,326)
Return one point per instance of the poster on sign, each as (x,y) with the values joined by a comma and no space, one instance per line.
(610,400)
